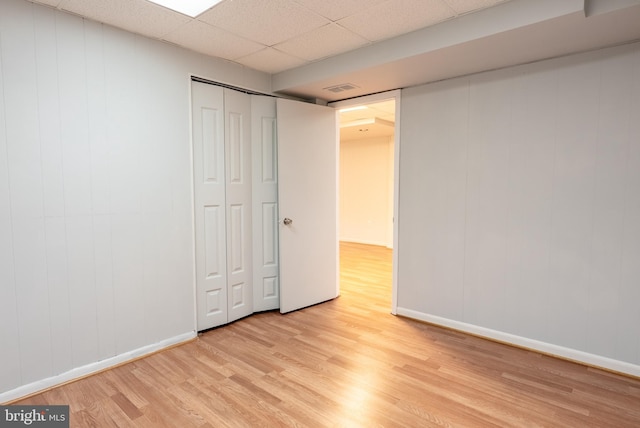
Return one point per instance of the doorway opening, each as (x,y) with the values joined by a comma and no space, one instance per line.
(367,192)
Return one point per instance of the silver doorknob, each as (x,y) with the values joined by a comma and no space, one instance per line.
(287,221)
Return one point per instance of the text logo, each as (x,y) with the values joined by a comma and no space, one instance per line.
(34,416)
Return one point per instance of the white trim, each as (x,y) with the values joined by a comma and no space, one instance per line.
(368,99)
(365,242)
(396,202)
(91,368)
(543,347)
(194,275)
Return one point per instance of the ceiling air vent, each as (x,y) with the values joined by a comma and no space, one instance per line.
(340,88)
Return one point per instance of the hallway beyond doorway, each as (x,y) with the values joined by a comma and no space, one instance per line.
(366,275)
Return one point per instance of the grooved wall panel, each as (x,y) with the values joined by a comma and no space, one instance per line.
(435,212)
(96,235)
(519,203)
(26,193)
(10,375)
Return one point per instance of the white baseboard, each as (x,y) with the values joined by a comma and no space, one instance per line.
(79,372)
(543,347)
(366,242)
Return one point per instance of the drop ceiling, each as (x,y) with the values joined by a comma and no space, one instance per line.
(274,35)
(375,120)
(313,46)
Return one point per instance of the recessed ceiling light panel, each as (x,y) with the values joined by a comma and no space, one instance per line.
(344,110)
(191,8)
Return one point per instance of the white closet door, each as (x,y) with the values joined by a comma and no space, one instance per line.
(237,106)
(210,209)
(265,203)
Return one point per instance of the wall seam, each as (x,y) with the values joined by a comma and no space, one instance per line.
(10,206)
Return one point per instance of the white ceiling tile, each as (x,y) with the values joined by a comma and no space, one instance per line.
(54,3)
(325,41)
(138,16)
(264,21)
(299,31)
(270,60)
(466,6)
(395,17)
(211,40)
(338,9)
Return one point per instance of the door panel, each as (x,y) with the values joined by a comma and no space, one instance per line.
(238,198)
(269,235)
(307,187)
(210,210)
(265,203)
(216,304)
(214,241)
(236,136)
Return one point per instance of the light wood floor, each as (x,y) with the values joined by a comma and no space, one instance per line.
(348,363)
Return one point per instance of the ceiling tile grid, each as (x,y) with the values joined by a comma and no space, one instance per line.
(265,21)
(274,35)
(338,9)
(322,42)
(465,6)
(137,16)
(270,60)
(52,3)
(214,41)
(395,17)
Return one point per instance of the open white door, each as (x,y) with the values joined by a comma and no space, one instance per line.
(307,189)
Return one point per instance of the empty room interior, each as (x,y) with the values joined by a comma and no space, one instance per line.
(312,213)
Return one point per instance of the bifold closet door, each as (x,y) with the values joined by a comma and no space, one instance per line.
(210,208)
(223,223)
(264,151)
(237,111)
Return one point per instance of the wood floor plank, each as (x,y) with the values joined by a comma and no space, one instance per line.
(348,363)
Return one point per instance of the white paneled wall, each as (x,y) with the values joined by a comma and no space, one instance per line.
(96,229)
(519,208)
(366,191)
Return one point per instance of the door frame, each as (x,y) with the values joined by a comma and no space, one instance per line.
(369,99)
